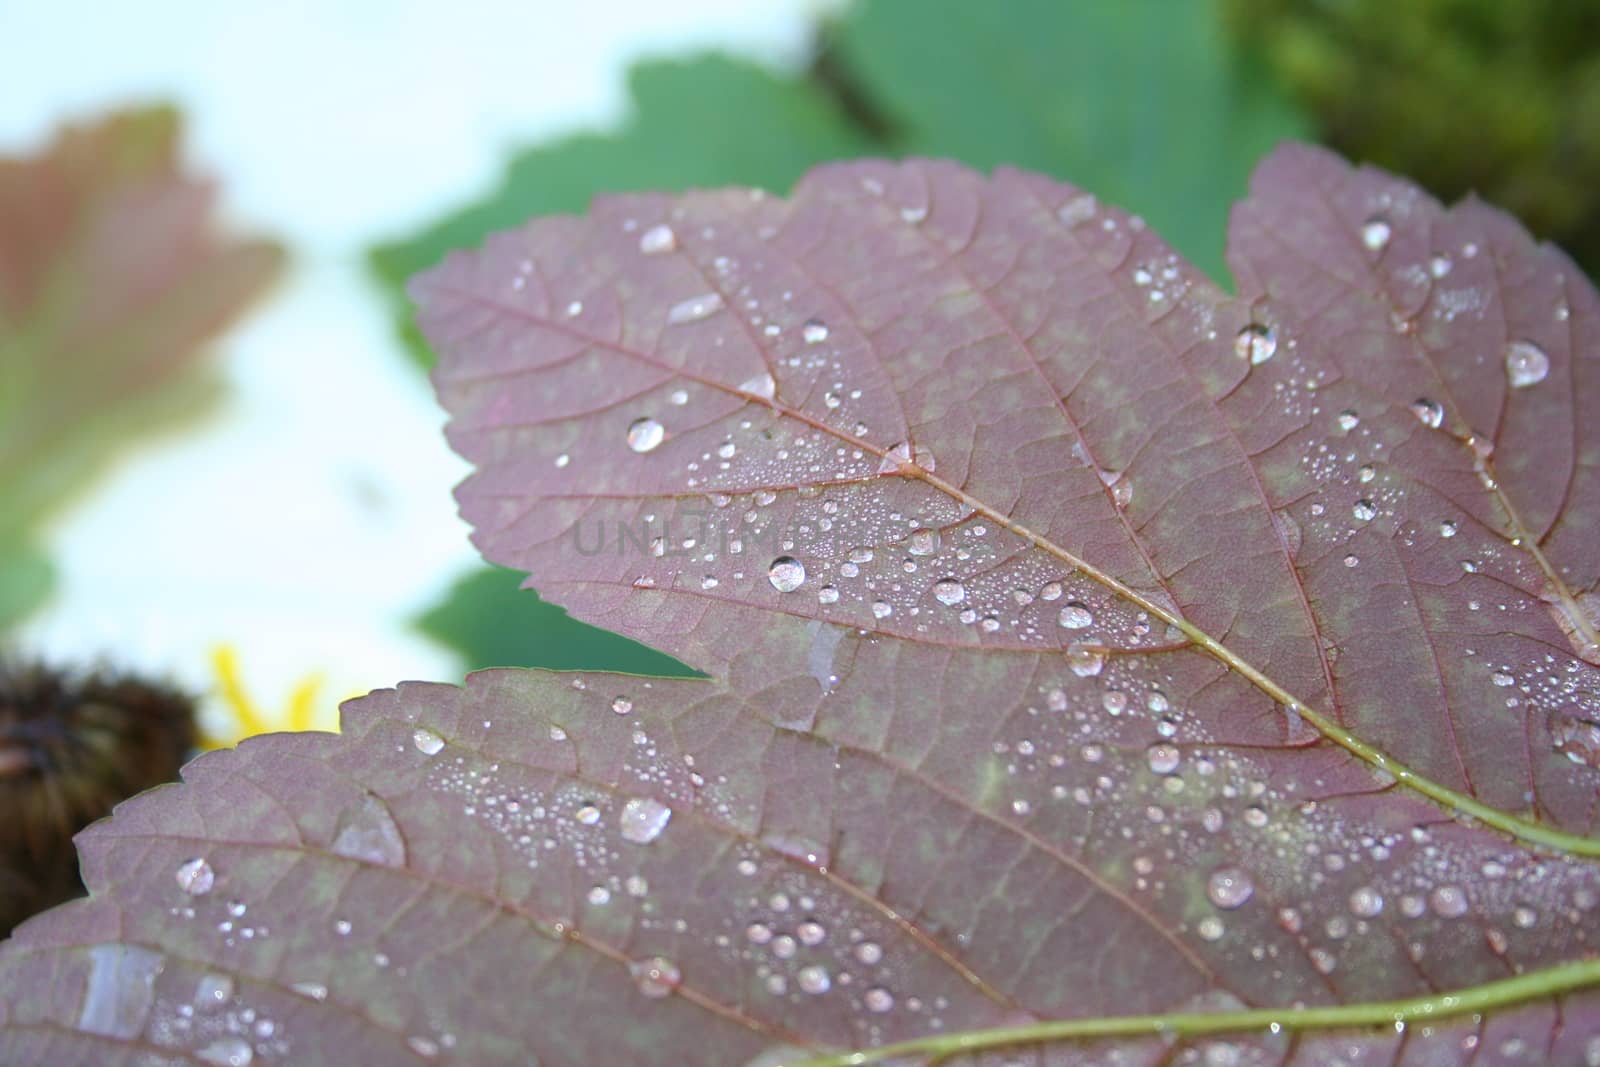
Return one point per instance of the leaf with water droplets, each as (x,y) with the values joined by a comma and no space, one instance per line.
(1172,779)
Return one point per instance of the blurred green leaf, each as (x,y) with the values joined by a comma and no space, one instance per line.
(26,577)
(491,622)
(1142,102)
(709,120)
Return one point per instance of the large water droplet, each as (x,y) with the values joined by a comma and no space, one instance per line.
(814,980)
(878,1000)
(1085,661)
(1448,901)
(658,239)
(1366,902)
(1163,759)
(655,977)
(1364,510)
(949,591)
(761,385)
(786,574)
(645,434)
(1230,887)
(815,331)
(1526,364)
(1428,412)
(694,309)
(643,819)
(1256,342)
(1076,615)
(924,541)
(1375,234)
(196,877)
(428,743)
(227,1052)
(367,832)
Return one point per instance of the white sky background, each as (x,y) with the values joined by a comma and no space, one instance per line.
(310,517)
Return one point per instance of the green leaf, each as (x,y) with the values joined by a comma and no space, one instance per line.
(1142,102)
(26,577)
(709,120)
(491,622)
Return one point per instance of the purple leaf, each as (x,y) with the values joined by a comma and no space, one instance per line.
(1165,676)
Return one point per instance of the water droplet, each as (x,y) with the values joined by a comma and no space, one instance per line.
(815,331)
(1448,902)
(949,591)
(643,819)
(868,953)
(1080,208)
(227,1051)
(655,977)
(1502,679)
(1439,266)
(814,980)
(761,385)
(599,896)
(1210,928)
(645,434)
(1229,888)
(882,609)
(1076,615)
(310,990)
(1352,560)
(1447,528)
(1428,412)
(827,595)
(1163,759)
(658,239)
(213,990)
(786,574)
(196,877)
(1526,364)
(428,743)
(924,541)
(587,815)
(1375,234)
(1256,342)
(1085,661)
(811,933)
(1364,511)
(1020,807)
(367,832)
(1366,902)
(694,309)
(878,1000)
(622,705)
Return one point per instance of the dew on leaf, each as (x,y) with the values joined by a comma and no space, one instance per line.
(622,705)
(815,331)
(949,591)
(645,434)
(868,953)
(643,819)
(655,977)
(213,990)
(1526,364)
(1076,615)
(1210,928)
(828,595)
(1085,661)
(426,741)
(761,385)
(786,574)
(229,1051)
(587,814)
(1256,342)
(1428,412)
(1349,420)
(1229,887)
(1448,901)
(924,542)
(1163,759)
(1447,528)
(658,239)
(1366,902)
(196,877)
(1364,510)
(694,309)
(878,1000)
(882,609)
(1375,233)
(814,980)
(811,933)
